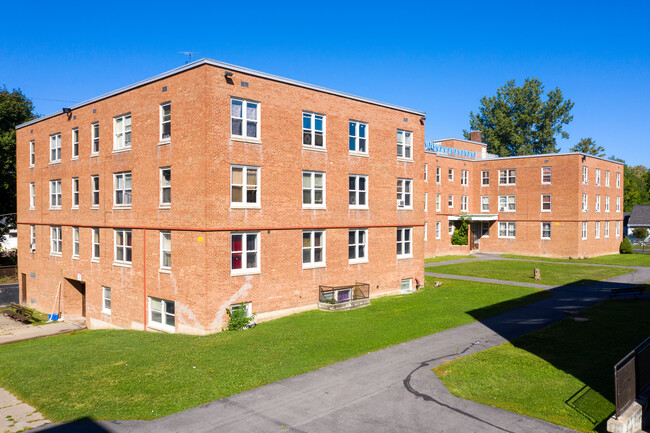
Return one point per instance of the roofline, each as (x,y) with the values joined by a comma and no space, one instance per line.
(461,139)
(544,155)
(206,61)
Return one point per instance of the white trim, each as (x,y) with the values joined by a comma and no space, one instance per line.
(356,246)
(104,309)
(258,252)
(119,136)
(507,225)
(244,119)
(312,130)
(404,194)
(312,189)
(550,168)
(161,203)
(508,176)
(163,311)
(162,250)
(93,138)
(407,143)
(312,248)
(125,247)
(72,184)
(357,137)
(357,190)
(542,230)
(550,206)
(167,140)
(72,143)
(404,242)
(123,175)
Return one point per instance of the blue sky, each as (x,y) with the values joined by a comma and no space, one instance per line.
(433,56)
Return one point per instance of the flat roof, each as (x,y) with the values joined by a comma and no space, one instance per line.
(206,61)
(544,155)
(461,139)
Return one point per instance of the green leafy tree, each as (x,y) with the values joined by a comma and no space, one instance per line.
(238,319)
(640,232)
(589,146)
(626,246)
(517,121)
(460,234)
(15,108)
(636,190)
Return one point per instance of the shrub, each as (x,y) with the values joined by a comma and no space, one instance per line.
(640,233)
(460,234)
(626,246)
(239,319)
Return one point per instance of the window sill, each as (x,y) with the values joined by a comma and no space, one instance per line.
(314,148)
(55,254)
(546,183)
(246,140)
(548,211)
(404,257)
(128,149)
(94,260)
(485,211)
(165,142)
(506,237)
(357,261)
(314,207)
(55,208)
(122,264)
(441,238)
(74,158)
(55,162)
(31,166)
(75,257)
(32,208)
(74,208)
(405,208)
(360,154)
(399,159)
(106,312)
(359,208)
(94,155)
(94,207)
(546,239)
(165,270)
(165,206)
(239,273)
(313,265)
(121,207)
(245,206)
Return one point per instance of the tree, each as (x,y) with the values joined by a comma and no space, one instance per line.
(626,246)
(460,234)
(588,146)
(518,122)
(635,190)
(640,233)
(15,108)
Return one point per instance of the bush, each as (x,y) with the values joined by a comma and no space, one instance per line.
(239,319)
(640,233)
(626,246)
(460,234)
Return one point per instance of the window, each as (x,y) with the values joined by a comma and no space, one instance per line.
(450,201)
(244,186)
(584,230)
(32,195)
(426,172)
(597,231)
(507,230)
(94,184)
(585,202)
(438,200)
(122,132)
(106,300)
(485,203)
(162,313)
(358,191)
(546,230)
(546,175)
(463,203)
(403,243)
(55,240)
(618,180)
(607,178)
(165,250)
(165,186)
(452,227)
(247,306)
(485,229)
(313,190)
(122,185)
(438,174)
(55,148)
(245,118)
(32,153)
(75,241)
(508,176)
(406,286)
(426,230)
(313,130)
(597,203)
(598,177)
(75,143)
(75,192)
(618,204)
(123,245)
(464,177)
(507,203)
(606,203)
(94,132)
(357,246)
(606,229)
(404,194)
(404,144)
(95,239)
(618,229)
(485,178)
(55,194)
(585,175)
(244,253)
(358,137)
(313,249)
(450,174)
(437,229)
(426,202)
(32,238)
(546,202)
(166,121)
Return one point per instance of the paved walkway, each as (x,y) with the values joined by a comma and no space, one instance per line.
(16,416)
(12,331)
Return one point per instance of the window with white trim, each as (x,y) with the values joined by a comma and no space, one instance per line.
(95,243)
(438,174)
(165,250)
(507,230)
(485,229)
(55,240)
(585,175)
(450,175)
(32,196)
(607,178)
(404,144)
(165,122)
(313,248)
(597,229)
(546,230)
(122,186)
(618,204)
(358,136)
(165,186)
(245,118)
(618,229)
(606,229)
(507,203)
(463,203)
(404,243)
(584,230)
(357,246)
(244,253)
(358,191)
(485,203)
(313,130)
(32,238)
(546,175)
(75,143)
(55,194)
(32,153)
(404,194)
(450,201)
(247,306)
(94,186)
(162,313)
(55,148)
(94,133)
(406,286)
(485,178)
(598,177)
(106,300)
(123,245)
(313,190)
(438,202)
(438,230)
(597,203)
(452,228)
(122,132)
(618,180)
(75,192)
(585,202)
(75,242)
(464,177)
(546,202)
(244,186)
(508,176)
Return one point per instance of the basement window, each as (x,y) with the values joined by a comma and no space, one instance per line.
(162,313)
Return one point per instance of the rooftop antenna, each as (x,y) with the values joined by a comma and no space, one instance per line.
(189,55)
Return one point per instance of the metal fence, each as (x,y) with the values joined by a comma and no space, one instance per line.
(339,294)
(632,376)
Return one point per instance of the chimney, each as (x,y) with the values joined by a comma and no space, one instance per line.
(475,136)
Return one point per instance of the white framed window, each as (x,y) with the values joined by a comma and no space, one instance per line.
(358,137)
(247,306)
(244,186)
(94,187)
(585,202)
(546,175)
(438,230)
(165,186)
(75,241)
(313,249)
(122,187)
(313,130)
(32,239)
(606,229)
(464,177)
(585,175)
(95,243)
(618,180)
(165,250)
(452,228)
(426,172)
(406,286)
(507,230)
(597,229)
(618,229)
(450,175)
(106,300)
(75,192)
(165,122)
(507,203)
(55,240)
(32,153)
(438,175)
(55,148)
(32,196)
(404,194)
(404,241)
(618,204)
(358,191)
(584,230)
(404,144)
(162,313)
(463,203)
(122,132)
(606,203)
(546,202)
(485,178)
(244,253)
(485,229)
(450,201)
(598,177)
(438,202)
(607,178)
(94,133)
(508,176)
(485,203)
(75,143)
(313,190)
(55,194)
(358,246)
(123,245)
(597,203)
(426,202)
(546,230)
(245,119)
(426,230)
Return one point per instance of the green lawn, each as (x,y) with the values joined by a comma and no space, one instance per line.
(562,373)
(512,270)
(447,258)
(114,374)
(612,259)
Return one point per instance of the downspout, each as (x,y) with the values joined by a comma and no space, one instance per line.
(144,276)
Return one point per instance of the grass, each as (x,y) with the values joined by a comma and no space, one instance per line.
(119,374)
(552,273)
(562,373)
(447,258)
(612,259)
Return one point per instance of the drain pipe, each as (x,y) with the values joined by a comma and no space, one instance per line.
(144,275)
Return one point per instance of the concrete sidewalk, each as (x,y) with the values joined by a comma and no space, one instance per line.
(16,416)
(12,331)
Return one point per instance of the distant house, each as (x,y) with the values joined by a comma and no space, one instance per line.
(640,217)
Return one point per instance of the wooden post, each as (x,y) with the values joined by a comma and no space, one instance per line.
(537,274)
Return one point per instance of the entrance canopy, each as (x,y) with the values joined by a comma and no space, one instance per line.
(476,217)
